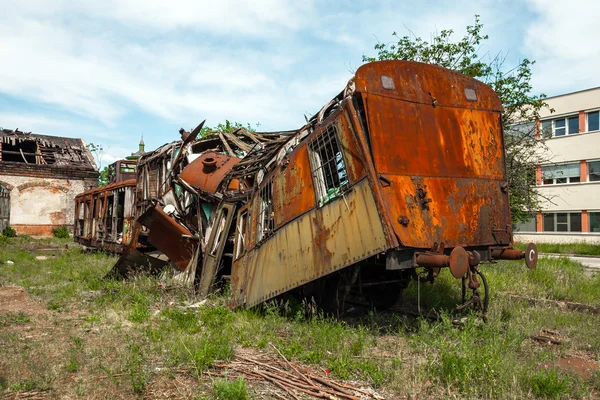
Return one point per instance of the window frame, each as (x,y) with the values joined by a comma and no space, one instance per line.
(588,162)
(555,178)
(565,119)
(241,233)
(590,221)
(556,223)
(263,234)
(328,136)
(587,121)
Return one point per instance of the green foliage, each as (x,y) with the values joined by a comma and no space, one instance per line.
(14,319)
(140,310)
(228,126)
(134,367)
(401,355)
(581,248)
(9,232)
(103,178)
(202,351)
(62,232)
(512,85)
(224,389)
(549,383)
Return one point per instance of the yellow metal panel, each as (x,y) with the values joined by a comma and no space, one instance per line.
(318,243)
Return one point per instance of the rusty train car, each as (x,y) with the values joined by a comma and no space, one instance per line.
(104,217)
(398,177)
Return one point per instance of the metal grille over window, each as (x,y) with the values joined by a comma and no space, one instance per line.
(266,221)
(327,166)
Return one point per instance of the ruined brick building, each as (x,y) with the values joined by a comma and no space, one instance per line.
(39,178)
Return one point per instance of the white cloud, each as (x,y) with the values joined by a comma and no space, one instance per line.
(564,45)
(28,122)
(180,62)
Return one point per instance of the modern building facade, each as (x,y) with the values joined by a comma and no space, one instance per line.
(570,181)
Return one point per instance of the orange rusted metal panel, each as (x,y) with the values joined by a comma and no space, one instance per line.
(293,190)
(354,160)
(169,236)
(207,171)
(447,164)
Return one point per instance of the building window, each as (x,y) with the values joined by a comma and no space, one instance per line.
(594,218)
(526,226)
(562,222)
(593,121)
(556,174)
(266,218)
(561,126)
(327,166)
(593,171)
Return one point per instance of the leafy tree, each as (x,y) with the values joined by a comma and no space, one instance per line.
(228,126)
(103,178)
(98,152)
(513,86)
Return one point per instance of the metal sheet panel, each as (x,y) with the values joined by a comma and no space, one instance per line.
(168,236)
(318,243)
(293,190)
(458,211)
(216,245)
(207,171)
(436,135)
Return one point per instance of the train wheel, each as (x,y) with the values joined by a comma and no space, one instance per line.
(478,301)
(383,296)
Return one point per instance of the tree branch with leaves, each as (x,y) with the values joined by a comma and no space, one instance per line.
(524,145)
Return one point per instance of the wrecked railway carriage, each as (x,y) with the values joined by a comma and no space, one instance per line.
(400,175)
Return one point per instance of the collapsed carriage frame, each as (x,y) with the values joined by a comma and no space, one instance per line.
(403,170)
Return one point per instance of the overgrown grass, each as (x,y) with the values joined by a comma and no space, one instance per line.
(230,390)
(132,331)
(581,248)
(19,318)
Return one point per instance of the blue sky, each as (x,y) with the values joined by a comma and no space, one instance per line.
(109,71)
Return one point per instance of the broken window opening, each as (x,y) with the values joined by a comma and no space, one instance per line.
(109,216)
(120,213)
(219,236)
(24,152)
(327,166)
(240,242)
(266,217)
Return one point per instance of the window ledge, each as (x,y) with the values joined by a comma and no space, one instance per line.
(568,184)
(558,233)
(574,135)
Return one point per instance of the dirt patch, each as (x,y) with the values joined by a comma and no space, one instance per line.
(177,386)
(580,366)
(15,299)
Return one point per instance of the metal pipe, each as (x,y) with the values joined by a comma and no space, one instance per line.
(431,260)
(507,253)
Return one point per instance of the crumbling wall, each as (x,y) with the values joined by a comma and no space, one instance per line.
(37,205)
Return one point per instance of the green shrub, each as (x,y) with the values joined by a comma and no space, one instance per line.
(9,232)
(62,232)
(230,390)
(549,384)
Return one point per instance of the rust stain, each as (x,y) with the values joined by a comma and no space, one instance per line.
(58,218)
